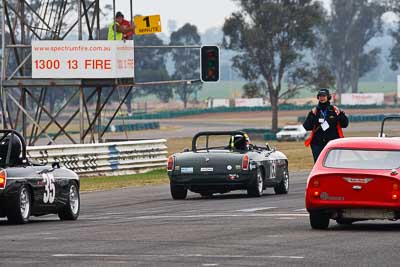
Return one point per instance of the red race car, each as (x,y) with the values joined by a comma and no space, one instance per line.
(355,179)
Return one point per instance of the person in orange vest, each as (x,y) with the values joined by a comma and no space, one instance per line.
(325,121)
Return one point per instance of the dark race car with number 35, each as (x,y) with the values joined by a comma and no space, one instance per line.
(31,189)
(223,161)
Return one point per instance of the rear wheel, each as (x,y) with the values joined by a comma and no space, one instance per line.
(72,207)
(283,186)
(319,220)
(256,187)
(20,210)
(178,191)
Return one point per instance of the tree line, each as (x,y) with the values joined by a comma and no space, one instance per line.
(272,38)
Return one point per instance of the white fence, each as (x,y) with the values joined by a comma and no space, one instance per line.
(237,102)
(117,158)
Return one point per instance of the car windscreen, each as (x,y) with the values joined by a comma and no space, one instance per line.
(363,159)
(213,142)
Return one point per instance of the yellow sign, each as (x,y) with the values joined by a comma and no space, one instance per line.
(147,24)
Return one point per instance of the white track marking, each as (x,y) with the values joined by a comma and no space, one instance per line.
(113,213)
(88,255)
(178,255)
(257,209)
(222,215)
(300,210)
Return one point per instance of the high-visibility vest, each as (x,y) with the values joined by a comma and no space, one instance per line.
(110,36)
(307,142)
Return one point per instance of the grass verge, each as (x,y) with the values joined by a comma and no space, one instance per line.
(158,176)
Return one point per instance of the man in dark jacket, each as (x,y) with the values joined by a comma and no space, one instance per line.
(325,121)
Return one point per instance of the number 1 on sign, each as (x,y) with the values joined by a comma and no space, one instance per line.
(147,20)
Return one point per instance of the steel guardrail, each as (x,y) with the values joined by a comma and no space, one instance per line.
(104,159)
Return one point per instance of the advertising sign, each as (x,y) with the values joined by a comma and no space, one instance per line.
(249,102)
(82,59)
(362,99)
(218,102)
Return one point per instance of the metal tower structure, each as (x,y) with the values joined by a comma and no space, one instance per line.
(23,98)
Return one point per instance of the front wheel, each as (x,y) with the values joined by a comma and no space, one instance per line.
(20,209)
(256,187)
(178,191)
(319,220)
(72,207)
(283,186)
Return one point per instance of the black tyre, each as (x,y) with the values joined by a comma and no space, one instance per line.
(20,211)
(178,191)
(283,186)
(256,187)
(319,220)
(73,205)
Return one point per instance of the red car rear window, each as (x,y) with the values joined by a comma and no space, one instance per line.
(363,159)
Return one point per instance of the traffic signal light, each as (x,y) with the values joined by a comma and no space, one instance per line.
(209,63)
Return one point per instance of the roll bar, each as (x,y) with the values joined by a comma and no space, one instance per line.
(208,133)
(390,117)
(7,132)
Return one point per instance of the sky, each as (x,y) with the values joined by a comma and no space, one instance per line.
(202,13)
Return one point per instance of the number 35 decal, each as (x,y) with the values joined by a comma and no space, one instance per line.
(49,188)
(273,170)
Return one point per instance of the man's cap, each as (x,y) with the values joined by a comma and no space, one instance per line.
(119,14)
(323,92)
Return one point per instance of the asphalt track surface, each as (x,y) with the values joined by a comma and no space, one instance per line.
(143,226)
